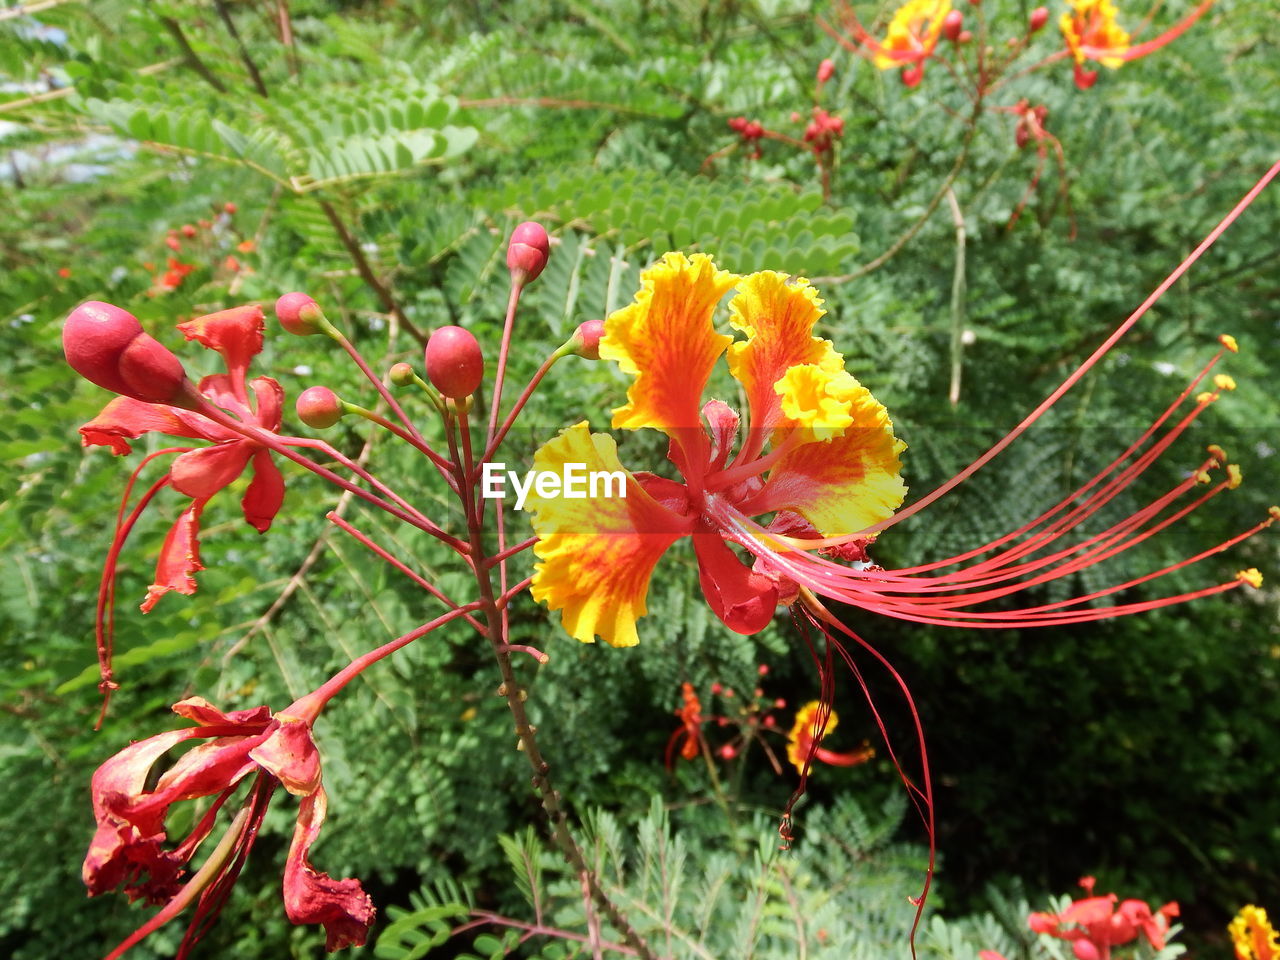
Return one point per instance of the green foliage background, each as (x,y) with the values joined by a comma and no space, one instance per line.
(1142,750)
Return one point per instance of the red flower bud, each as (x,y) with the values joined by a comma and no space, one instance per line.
(229,207)
(911,76)
(527,252)
(299,314)
(728,751)
(952,24)
(401,374)
(173,243)
(188,230)
(753,130)
(965,36)
(826,70)
(319,407)
(1039,17)
(455,365)
(586,339)
(107,346)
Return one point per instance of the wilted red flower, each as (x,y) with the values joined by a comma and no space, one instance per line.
(130,847)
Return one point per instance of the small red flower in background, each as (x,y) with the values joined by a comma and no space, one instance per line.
(690,729)
(130,845)
(1095,924)
(64,272)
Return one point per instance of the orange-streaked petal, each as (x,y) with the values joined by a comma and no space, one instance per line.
(777,313)
(597,554)
(665,339)
(842,485)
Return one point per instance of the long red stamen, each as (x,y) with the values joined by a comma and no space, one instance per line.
(1088,364)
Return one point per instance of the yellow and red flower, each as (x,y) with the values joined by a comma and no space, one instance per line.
(131,848)
(1092,33)
(1253,936)
(832,470)
(813,724)
(910,39)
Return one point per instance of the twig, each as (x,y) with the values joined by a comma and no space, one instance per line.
(957,300)
(225,16)
(189,52)
(361,262)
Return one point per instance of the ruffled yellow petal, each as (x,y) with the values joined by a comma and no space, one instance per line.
(598,553)
(846,484)
(818,401)
(665,340)
(777,313)
(1253,936)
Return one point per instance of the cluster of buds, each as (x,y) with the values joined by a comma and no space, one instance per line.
(751,132)
(210,240)
(823,131)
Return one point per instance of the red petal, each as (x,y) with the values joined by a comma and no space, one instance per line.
(290,754)
(313,897)
(234,333)
(270,396)
(743,599)
(723,420)
(201,473)
(179,557)
(262,500)
(207,715)
(125,417)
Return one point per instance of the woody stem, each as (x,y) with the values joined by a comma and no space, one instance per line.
(515,695)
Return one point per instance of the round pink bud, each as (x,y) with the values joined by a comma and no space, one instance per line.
(1039,17)
(107,346)
(586,339)
(455,365)
(965,36)
(401,374)
(319,407)
(952,23)
(299,314)
(763,669)
(911,76)
(527,251)
(738,123)
(229,207)
(728,751)
(826,70)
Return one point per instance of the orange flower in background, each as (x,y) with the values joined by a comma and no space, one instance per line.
(1096,924)
(1092,33)
(811,728)
(688,736)
(1253,935)
(909,40)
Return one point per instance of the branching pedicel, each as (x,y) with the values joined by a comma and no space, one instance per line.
(782,512)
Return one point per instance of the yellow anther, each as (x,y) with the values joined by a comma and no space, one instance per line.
(1224,382)
(1229,342)
(1234,476)
(1251,576)
(1217,453)
(1202,476)
(1206,397)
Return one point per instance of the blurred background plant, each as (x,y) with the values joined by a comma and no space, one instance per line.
(377,156)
